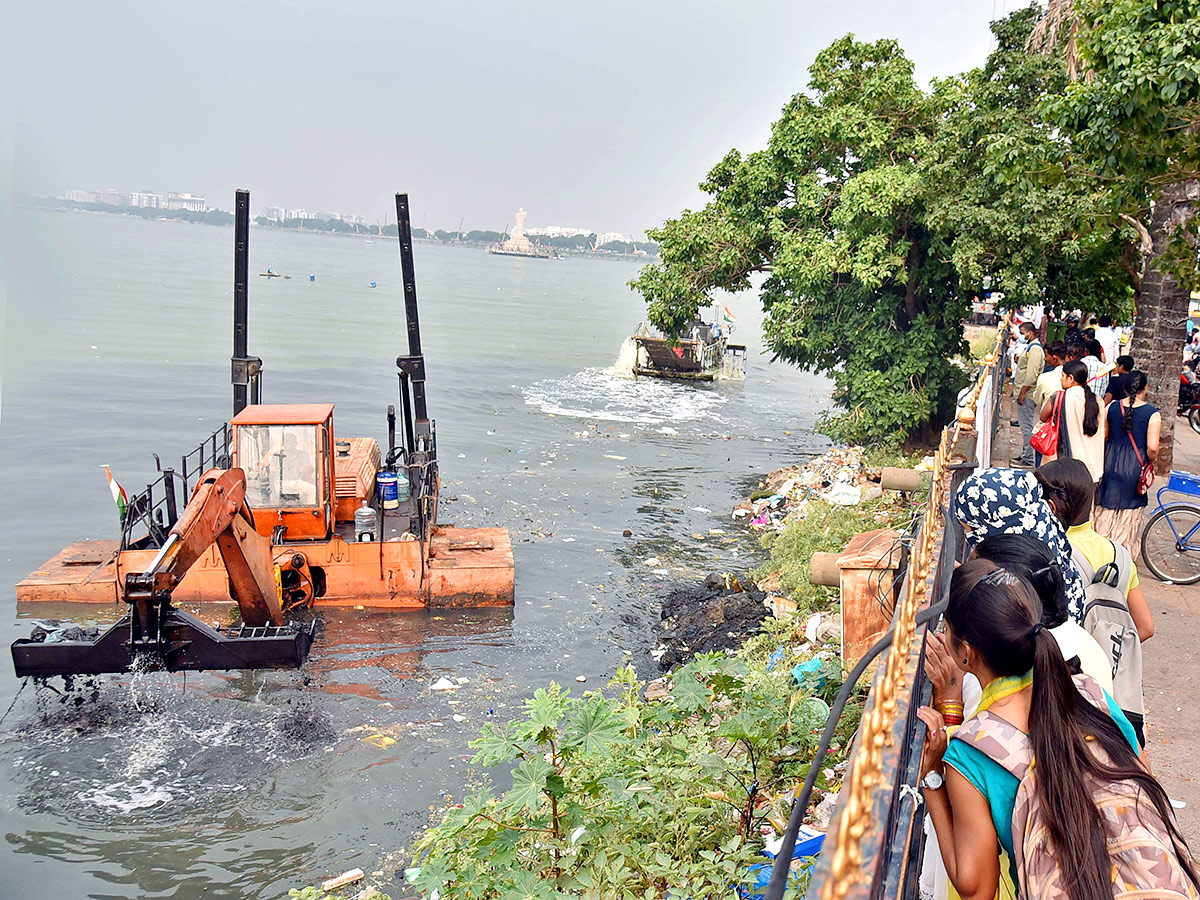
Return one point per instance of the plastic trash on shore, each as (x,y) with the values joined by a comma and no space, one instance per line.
(808,845)
(844,494)
(839,476)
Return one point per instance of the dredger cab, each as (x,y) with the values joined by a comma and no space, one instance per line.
(287,453)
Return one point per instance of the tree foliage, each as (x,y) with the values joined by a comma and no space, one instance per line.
(1002,186)
(1134,119)
(832,214)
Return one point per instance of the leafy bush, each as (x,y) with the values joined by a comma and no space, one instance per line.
(618,797)
(825,528)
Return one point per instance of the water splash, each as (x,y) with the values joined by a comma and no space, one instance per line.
(608,396)
(626,358)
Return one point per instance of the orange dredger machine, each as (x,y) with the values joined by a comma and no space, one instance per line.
(280,470)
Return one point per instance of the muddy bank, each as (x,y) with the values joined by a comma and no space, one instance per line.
(717,613)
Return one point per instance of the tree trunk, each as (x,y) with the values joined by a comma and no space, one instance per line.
(1159,330)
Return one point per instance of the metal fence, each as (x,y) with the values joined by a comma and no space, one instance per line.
(874,846)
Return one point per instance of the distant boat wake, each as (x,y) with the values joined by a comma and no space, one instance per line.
(614,395)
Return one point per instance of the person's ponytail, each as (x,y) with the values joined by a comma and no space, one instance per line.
(1091,412)
(1134,385)
(1078,373)
(1074,823)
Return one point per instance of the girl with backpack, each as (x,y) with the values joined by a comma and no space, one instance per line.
(1115,611)
(1047,770)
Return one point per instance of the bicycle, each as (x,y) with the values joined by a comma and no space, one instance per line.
(1171,539)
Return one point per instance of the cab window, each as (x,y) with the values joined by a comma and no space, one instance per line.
(280,462)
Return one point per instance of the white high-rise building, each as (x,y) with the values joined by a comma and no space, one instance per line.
(609,236)
(185,201)
(557,231)
(146,200)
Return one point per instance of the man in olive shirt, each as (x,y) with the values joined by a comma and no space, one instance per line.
(1029,368)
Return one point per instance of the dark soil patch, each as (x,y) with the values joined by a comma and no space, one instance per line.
(711,615)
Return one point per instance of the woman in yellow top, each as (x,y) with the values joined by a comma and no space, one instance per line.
(1079,433)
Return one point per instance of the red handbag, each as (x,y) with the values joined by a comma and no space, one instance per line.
(1146,479)
(1045,439)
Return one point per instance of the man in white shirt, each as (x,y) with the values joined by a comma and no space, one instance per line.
(1109,340)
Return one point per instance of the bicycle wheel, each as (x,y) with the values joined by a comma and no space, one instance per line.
(1160,546)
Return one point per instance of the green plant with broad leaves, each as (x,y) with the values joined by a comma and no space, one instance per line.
(613,796)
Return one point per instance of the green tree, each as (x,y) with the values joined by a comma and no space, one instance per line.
(1001,187)
(832,216)
(1134,121)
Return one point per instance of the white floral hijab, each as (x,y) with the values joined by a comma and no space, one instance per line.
(1008,501)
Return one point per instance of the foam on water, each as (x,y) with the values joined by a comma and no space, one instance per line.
(607,395)
(123,756)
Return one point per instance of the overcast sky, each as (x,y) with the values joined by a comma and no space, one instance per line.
(600,114)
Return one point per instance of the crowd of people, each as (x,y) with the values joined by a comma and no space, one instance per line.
(1034,771)
(1083,399)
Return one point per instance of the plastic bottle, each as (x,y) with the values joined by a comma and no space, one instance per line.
(366,522)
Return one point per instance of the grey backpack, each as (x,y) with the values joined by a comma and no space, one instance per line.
(1106,617)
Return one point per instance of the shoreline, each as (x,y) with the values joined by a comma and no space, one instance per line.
(121,212)
(798,629)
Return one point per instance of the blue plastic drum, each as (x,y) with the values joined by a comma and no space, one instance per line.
(389,493)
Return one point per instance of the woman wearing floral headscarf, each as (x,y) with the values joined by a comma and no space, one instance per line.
(1008,501)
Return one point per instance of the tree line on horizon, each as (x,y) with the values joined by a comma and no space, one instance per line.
(581,243)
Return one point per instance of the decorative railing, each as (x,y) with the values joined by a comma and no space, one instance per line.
(874,845)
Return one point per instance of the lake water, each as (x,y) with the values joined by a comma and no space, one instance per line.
(243,785)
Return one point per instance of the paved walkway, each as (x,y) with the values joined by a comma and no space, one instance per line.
(1171,659)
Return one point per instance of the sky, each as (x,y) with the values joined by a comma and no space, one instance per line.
(602,115)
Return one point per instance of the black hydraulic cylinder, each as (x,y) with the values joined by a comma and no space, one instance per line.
(241,276)
(407,405)
(172,502)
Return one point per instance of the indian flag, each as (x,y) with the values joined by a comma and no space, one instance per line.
(728,317)
(118,493)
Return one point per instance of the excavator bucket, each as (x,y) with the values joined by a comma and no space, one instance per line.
(184,644)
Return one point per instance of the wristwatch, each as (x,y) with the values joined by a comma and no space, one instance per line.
(933,781)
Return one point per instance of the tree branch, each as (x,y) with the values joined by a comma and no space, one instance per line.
(1146,243)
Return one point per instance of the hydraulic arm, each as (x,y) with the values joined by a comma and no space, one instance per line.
(216,514)
(154,634)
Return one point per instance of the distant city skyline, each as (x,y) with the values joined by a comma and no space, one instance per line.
(171,200)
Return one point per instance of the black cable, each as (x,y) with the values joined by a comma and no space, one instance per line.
(783,860)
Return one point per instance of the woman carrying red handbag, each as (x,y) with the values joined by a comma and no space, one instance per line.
(1132,428)
(1077,412)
